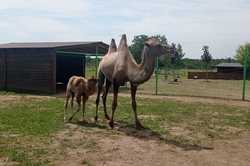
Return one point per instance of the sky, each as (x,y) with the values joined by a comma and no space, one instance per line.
(221,24)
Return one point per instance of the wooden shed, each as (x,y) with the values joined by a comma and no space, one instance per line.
(229,68)
(38,67)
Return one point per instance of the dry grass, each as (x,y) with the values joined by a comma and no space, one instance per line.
(228,89)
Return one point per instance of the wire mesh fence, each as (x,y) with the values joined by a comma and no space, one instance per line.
(176,82)
(180,85)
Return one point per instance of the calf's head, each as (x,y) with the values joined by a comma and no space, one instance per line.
(92,82)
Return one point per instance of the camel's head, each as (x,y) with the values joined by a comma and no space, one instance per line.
(92,82)
(156,48)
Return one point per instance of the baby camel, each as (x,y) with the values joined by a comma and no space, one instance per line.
(81,88)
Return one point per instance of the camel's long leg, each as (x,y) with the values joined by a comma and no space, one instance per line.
(100,83)
(84,99)
(133,94)
(104,98)
(72,99)
(114,104)
(78,100)
(66,106)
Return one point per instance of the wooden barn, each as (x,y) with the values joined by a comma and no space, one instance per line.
(38,67)
(229,68)
(224,71)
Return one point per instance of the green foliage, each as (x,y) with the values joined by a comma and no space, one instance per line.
(206,57)
(137,46)
(164,61)
(180,54)
(240,53)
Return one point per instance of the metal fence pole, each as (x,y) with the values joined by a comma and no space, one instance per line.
(245,57)
(96,61)
(156,75)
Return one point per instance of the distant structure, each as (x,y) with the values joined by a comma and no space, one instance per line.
(229,68)
(224,71)
(40,66)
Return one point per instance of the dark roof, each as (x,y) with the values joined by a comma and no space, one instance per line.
(48,44)
(236,65)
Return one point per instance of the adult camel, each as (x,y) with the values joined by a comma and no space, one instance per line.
(118,67)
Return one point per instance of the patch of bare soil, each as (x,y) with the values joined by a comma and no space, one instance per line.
(187,99)
(13,98)
(85,145)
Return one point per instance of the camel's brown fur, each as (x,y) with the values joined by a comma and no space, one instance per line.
(80,88)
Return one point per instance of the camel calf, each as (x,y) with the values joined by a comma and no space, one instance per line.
(81,88)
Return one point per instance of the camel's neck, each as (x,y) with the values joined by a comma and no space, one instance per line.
(142,72)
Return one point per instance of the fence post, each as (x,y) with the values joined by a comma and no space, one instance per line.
(245,58)
(156,75)
(96,61)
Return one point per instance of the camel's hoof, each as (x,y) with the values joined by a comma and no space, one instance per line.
(107,117)
(96,118)
(139,126)
(111,124)
(70,119)
(83,120)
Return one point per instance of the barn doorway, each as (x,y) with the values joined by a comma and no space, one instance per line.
(67,65)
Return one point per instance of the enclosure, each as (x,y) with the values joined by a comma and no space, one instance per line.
(187,121)
(40,67)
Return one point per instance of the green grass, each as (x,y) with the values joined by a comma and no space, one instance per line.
(25,156)
(29,121)
(90,70)
(32,118)
(158,113)
(7,93)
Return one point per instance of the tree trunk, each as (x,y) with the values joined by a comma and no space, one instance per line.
(207,71)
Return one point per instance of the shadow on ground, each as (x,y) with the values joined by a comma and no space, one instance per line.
(146,134)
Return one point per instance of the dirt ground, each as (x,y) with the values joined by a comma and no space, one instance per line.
(91,144)
(125,148)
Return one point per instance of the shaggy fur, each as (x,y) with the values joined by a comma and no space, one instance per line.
(79,88)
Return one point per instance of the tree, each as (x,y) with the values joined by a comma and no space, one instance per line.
(162,39)
(179,54)
(176,55)
(240,53)
(206,57)
(137,46)
(138,43)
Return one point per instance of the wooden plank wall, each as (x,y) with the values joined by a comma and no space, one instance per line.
(2,69)
(215,75)
(32,69)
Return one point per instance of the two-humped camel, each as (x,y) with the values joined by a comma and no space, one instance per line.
(118,67)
